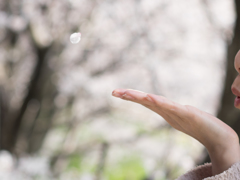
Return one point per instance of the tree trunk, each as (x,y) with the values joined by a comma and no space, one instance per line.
(13,125)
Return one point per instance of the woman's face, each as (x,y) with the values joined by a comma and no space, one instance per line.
(236,84)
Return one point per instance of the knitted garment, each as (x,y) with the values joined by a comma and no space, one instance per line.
(204,172)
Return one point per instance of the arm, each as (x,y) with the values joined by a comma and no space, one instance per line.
(220,140)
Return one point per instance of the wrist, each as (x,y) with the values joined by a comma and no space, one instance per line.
(224,155)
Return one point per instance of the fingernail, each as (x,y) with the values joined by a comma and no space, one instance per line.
(127,97)
(149,99)
(116,94)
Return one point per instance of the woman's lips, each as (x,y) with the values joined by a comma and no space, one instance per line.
(237,101)
(236,93)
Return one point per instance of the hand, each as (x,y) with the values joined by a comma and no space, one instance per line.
(220,140)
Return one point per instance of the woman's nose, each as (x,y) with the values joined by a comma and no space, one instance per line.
(236,83)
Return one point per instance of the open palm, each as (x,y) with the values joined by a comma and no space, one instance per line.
(220,140)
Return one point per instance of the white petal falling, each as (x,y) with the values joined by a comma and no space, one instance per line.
(75,38)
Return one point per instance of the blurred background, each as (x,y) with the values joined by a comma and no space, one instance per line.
(58,119)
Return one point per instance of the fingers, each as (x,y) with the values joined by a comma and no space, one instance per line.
(148,99)
(132,95)
(138,97)
(173,113)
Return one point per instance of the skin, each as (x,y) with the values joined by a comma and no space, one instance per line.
(220,140)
